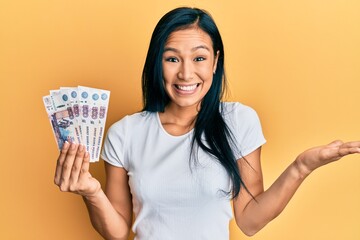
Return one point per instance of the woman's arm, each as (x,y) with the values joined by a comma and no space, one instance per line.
(252,214)
(109,218)
(111,213)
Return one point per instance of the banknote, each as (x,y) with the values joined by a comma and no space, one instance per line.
(72,102)
(59,118)
(103,108)
(93,108)
(78,114)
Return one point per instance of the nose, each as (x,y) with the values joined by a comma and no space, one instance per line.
(186,71)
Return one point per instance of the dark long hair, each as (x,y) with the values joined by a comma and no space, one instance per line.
(209,122)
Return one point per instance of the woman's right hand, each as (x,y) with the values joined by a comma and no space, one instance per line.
(72,171)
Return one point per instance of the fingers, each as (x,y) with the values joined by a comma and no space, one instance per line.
(69,165)
(349,148)
(354,144)
(86,163)
(76,167)
(60,162)
(338,149)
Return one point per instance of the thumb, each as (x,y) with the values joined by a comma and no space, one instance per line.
(86,163)
(335,143)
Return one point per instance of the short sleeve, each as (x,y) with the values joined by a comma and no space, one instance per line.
(246,129)
(114,147)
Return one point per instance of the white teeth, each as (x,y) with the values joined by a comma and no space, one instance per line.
(187,88)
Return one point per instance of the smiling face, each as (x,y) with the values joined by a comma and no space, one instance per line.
(188,65)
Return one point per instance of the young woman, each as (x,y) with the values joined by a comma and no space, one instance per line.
(179,162)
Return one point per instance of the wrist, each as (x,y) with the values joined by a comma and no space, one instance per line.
(94,197)
(301,167)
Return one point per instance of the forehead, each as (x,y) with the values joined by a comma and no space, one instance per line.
(190,37)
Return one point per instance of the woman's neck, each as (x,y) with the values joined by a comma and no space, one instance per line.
(178,120)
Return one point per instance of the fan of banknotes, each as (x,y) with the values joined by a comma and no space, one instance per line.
(78,114)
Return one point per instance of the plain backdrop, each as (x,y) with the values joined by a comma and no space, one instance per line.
(297,63)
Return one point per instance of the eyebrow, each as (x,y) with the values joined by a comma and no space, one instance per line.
(193,49)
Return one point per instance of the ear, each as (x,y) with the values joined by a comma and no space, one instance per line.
(216,61)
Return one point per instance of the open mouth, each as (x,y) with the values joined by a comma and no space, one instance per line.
(187,88)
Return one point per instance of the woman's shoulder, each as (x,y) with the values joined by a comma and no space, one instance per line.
(235,113)
(133,120)
(235,108)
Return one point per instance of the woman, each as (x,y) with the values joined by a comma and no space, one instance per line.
(179,162)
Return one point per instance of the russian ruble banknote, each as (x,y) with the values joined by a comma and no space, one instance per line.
(78,114)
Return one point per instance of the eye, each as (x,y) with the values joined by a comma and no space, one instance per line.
(171,59)
(198,59)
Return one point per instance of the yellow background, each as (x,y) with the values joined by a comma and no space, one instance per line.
(296,62)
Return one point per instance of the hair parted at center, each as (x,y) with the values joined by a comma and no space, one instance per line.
(209,122)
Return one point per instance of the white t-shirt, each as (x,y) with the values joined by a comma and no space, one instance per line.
(173,197)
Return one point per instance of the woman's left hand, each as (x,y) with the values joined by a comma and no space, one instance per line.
(319,156)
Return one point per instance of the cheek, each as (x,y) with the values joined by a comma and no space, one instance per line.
(165,79)
(167,83)
(206,74)
(168,73)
